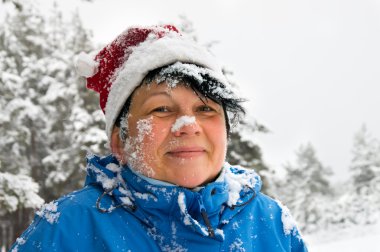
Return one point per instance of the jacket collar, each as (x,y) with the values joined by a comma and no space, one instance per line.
(151,203)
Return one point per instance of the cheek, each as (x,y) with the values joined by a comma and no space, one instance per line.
(156,138)
(142,145)
(217,135)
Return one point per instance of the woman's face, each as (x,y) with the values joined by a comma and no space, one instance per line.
(173,136)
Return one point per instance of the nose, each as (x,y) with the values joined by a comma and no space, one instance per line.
(186,125)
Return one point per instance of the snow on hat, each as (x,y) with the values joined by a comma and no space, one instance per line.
(122,65)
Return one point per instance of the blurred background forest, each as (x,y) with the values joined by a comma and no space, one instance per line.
(49,121)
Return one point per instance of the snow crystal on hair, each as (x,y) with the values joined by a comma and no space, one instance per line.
(203,76)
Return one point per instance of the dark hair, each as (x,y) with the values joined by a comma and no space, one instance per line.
(202,83)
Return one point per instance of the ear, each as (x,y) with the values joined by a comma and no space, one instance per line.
(117,146)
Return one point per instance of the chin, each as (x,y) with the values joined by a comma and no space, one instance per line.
(191,180)
(190,184)
(189,174)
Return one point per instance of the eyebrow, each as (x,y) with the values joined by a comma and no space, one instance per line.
(160,93)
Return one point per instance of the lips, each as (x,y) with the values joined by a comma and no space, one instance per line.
(187,152)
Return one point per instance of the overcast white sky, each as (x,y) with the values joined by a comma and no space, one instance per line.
(311,68)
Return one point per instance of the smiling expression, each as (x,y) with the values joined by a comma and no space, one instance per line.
(173,135)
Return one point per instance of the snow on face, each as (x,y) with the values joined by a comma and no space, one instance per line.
(182,121)
(144,127)
(134,148)
(188,159)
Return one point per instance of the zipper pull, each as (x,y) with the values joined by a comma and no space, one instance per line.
(202,208)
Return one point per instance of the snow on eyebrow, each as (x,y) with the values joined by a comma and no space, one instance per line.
(182,121)
(289,224)
(49,212)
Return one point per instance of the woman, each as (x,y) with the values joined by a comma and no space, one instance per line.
(166,186)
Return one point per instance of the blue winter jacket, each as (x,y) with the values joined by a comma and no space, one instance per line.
(118,210)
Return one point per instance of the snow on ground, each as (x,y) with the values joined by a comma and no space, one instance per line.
(362,238)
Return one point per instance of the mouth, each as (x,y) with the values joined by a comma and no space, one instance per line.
(186,152)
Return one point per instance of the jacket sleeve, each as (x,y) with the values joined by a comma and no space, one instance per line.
(52,231)
(283,229)
(72,223)
(297,243)
(57,226)
(41,235)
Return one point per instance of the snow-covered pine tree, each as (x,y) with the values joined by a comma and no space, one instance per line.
(19,117)
(243,151)
(47,121)
(306,189)
(78,121)
(16,3)
(365,163)
(363,200)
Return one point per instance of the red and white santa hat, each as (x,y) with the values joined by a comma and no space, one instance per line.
(122,65)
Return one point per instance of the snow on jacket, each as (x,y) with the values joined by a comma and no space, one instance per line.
(117,210)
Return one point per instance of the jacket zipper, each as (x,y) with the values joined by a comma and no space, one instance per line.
(202,208)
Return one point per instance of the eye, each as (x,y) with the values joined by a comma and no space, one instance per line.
(205,108)
(162,109)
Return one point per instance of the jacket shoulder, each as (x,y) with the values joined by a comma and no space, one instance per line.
(66,217)
(83,198)
(274,214)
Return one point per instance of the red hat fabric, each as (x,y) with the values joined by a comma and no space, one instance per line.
(111,57)
(122,65)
